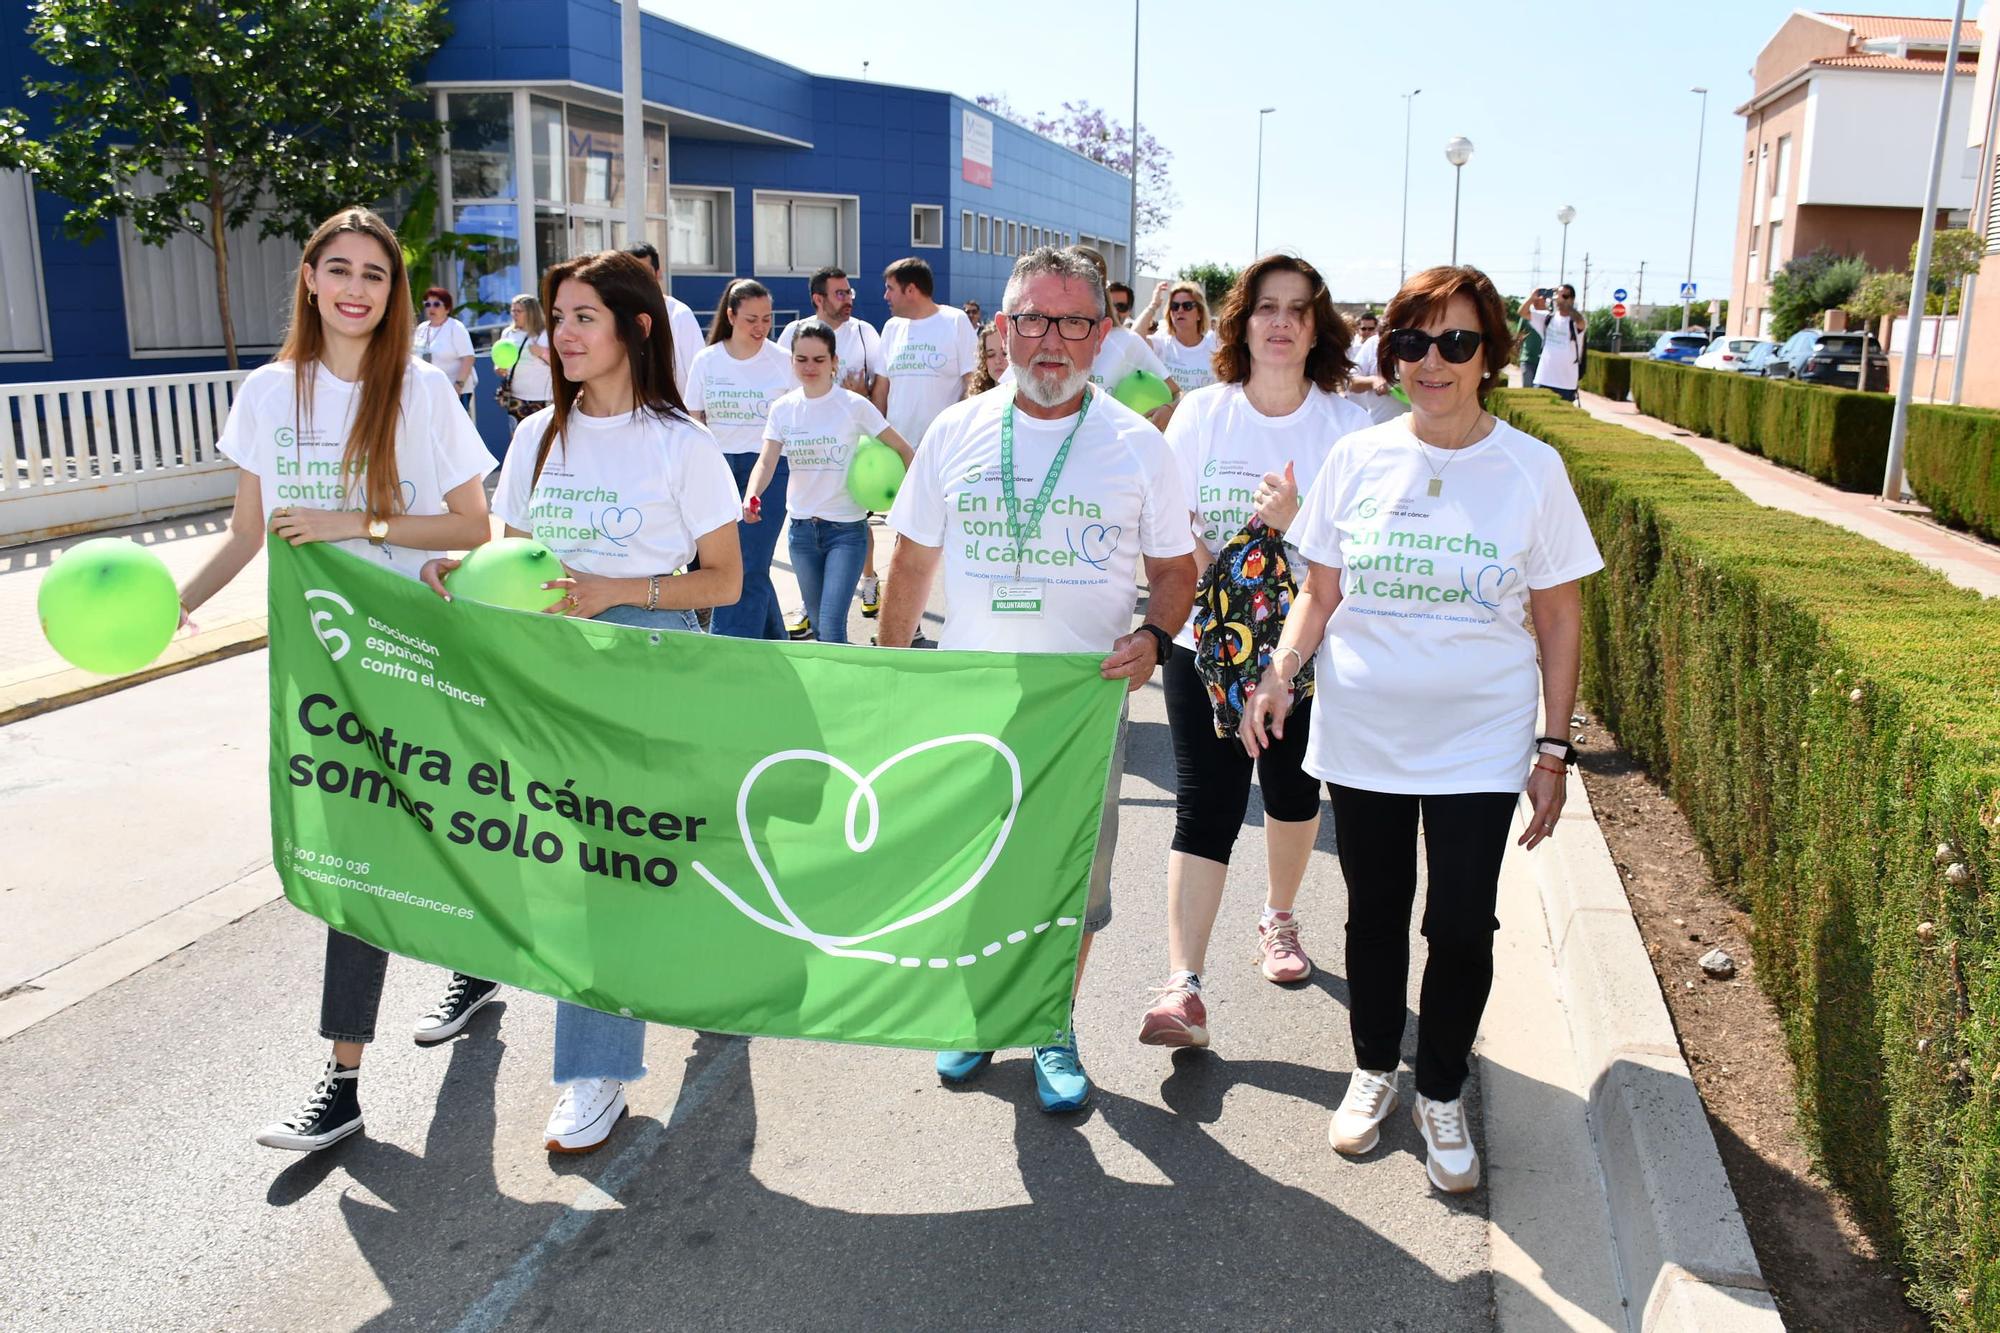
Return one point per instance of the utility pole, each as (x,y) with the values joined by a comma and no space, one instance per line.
(1583,297)
(1535,284)
(1642,286)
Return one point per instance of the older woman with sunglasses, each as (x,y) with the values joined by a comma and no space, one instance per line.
(1187,345)
(446,344)
(1433,540)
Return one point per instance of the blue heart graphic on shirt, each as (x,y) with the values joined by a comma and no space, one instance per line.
(935,360)
(1094,543)
(409,496)
(1487,585)
(618,524)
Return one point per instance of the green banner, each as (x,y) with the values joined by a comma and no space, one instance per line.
(805,840)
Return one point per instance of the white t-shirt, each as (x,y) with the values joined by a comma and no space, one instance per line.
(448,347)
(531,380)
(622,497)
(298,465)
(925,360)
(1223,447)
(736,396)
(1558,367)
(1427,681)
(685,330)
(818,436)
(1190,367)
(855,343)
(1380,407)
(1117,500)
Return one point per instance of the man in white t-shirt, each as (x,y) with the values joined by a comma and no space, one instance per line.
(1367,387)
(682,326)
(1562,342)
(855,339)
(1112,497)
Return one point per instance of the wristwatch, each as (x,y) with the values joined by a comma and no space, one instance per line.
(378,531)
(1163,643)
(1556,748)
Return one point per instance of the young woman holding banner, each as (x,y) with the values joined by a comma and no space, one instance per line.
(617,424)
(344,438)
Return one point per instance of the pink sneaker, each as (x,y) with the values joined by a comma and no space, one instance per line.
(1279,956)
(1177,1018)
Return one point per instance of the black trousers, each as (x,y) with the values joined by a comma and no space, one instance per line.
(1465,835)
(1212,773)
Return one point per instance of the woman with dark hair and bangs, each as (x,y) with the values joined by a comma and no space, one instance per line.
(1246,446)
(1434,539)
(344,438)
(618,428)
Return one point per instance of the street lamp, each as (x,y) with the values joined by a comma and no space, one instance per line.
(1701,138)
(1458,152)
(1403,256)
(1257,236)
(1564,215)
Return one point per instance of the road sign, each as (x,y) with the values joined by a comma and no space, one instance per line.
(1687,291)
(1618,295)
(1618,311)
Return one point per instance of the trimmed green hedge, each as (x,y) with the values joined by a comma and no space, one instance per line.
(1608,375)
(1827,713)
(1837,435)
(1952,458)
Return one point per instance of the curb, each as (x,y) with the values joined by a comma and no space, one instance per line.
(1684,1256)
(45,691)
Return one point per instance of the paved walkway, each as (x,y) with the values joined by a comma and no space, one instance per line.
(1965,560)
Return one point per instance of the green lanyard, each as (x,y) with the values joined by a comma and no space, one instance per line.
(1018,532)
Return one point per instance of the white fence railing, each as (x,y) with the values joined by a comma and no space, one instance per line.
(87,454)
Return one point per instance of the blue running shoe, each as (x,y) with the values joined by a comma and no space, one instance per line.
(960,1066)
(1059,1076)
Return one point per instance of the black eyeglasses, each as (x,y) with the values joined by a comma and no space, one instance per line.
(1073,328)
(1457,346)
(1182,305)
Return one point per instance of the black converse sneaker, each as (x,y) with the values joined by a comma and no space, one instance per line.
(462,997)
(331,1113)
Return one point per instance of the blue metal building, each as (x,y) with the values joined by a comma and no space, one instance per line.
(774,171)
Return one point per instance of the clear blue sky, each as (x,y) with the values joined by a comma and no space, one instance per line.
(1584,104)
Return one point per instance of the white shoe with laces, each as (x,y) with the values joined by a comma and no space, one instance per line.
(1357,1125)
(1449,1157)
(585,1115)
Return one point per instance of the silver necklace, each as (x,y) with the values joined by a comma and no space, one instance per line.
(1436,483)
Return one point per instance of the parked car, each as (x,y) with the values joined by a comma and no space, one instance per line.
(1682,347)
(1727,353)
(1846,360)
(1759,357)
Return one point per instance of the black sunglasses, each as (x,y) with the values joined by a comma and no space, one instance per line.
(1182,305)
(1457,346)
(429,304)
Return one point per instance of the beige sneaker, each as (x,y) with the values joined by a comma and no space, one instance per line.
(1357,1125)
(1449,1157)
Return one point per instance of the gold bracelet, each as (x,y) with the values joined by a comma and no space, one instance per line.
(652,592)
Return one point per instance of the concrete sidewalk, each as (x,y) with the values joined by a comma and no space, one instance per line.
(1965,560)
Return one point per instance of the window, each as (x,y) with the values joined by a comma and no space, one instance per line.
(985,233)
(1013,238)
(482,145)
(927,225)
(1772,263)
(170,306)
(1781,177)
(701,229)
(1750,269)
(1993,203)
(966,230)
(797,233)
(24,320)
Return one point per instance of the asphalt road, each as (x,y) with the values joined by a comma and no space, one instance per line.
(758,1184)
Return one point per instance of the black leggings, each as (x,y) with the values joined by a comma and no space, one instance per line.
(1465,836)
(1212,773)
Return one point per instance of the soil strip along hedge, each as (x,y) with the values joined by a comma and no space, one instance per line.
(1827,712)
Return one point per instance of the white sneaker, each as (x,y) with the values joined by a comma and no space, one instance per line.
(1449,1157)
(1357,1125)
(585,1115)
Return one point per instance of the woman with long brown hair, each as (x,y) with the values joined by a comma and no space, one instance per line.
(344,438)
(616,428)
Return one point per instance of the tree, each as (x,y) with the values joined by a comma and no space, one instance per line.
(1880,296)
(1215,280)
(1809,285)
(199,116)
(1955,256)
(1091,131)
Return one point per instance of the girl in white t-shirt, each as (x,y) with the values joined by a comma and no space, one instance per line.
(731,386)
(618,430)
(525,389)
(1434,539)
(1186,346)
(815,429)
(1246,447)
(344,438)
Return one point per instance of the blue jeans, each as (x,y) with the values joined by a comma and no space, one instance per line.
(826,557)
(756,614)
(589,1042)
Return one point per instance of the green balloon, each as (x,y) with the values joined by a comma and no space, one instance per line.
(1143,392)
(874,475)
(509,572)
(108,606)
(1397,393)
(505,353)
